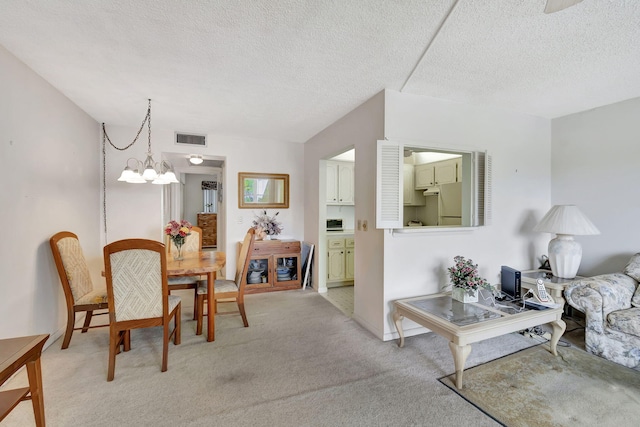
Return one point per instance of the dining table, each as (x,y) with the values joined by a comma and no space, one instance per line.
(198,264)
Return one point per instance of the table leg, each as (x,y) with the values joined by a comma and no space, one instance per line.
(397,319)
(559,327)
(460,354)
(34,373)
(211,304)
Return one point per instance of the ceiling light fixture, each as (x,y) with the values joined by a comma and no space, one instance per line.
(140,172)
(196,159)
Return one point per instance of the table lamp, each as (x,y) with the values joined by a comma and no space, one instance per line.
(565,253)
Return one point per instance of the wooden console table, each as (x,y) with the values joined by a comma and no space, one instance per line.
(14,354)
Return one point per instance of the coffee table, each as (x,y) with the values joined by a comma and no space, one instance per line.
(465,324)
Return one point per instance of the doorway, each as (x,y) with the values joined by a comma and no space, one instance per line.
(336,261)
(199,197)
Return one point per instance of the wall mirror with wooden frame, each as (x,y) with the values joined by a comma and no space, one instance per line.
(263,190)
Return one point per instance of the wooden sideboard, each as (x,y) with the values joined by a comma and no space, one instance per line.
(209,224)
(274,266)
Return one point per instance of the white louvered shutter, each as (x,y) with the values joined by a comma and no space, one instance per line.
(389,185)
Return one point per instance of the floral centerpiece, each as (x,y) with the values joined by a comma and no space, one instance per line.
(178,231)
(267,226)
(465,280)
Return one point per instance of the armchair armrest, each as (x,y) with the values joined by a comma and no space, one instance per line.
(600,295)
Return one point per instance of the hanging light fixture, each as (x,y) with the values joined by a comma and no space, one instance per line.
(140,172)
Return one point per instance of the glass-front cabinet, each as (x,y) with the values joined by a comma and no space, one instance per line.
(274,265)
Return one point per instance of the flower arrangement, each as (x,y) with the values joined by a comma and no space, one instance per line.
(266,225)
(178,231)
(464,275)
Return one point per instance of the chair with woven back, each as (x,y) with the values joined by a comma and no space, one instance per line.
(136,272)
(79,292)
(192,243)
(229,291)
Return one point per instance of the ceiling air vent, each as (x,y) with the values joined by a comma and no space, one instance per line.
(191,139)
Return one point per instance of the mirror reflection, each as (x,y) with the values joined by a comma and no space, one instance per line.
(263,190)
(436,188)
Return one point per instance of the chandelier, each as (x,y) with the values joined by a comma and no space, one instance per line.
(140,172)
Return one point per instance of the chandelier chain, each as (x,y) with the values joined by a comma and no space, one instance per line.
(147,119)
(149,124)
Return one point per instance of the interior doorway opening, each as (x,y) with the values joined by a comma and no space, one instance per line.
(337,207)
(199,197)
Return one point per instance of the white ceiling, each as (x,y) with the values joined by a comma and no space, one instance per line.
(286,69)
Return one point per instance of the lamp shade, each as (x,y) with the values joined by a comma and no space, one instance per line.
(565,253)
(566,219)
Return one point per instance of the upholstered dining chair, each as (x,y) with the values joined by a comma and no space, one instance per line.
(192,243)
(138,293)
(79,292)
(229,290)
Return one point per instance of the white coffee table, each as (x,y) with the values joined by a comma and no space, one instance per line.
(465,324)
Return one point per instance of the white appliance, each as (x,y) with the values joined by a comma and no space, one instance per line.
(450,206)
(335,224)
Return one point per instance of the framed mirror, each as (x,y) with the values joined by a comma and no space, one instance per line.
(263,190)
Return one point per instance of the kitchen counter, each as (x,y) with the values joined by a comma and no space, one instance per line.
(339,233)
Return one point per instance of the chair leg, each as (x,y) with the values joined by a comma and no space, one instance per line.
(200,304)
(126,340)
(114,344)
(243,314)
(195,304)
(178,328)
(87,321)
(71,320)
(165,344)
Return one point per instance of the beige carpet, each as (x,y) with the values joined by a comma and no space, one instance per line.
(534,388)
(301,362)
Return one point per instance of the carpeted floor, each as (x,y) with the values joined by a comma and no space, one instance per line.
(301,362)
(534,388)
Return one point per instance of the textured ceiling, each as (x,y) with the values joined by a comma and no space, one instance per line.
(286,69)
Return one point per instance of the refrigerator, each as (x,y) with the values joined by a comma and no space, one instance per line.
(450,204)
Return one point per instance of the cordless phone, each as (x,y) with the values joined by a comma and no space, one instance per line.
(542,291)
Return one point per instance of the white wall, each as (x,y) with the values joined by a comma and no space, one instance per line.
(135,210)
(361,128)
(49,169)
(415,264)
(595,166)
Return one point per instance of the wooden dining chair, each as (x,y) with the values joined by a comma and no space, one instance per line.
(192,243)
(79,292)
(229,290)
(138,293)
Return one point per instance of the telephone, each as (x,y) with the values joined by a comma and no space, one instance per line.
(540,293)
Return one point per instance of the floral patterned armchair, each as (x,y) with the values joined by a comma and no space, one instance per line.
(611,303)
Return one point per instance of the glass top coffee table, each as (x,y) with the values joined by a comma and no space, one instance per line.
(465,323)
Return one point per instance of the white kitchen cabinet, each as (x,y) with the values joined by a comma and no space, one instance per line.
(349,258)
(340,183)
(424,176)
(446,172)
(412,197)
(340,259)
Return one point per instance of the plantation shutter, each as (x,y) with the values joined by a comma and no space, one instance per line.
(483,189)
(389,181)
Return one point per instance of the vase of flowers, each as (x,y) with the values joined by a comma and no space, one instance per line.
(178,231)
(267,226)
(465,280)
